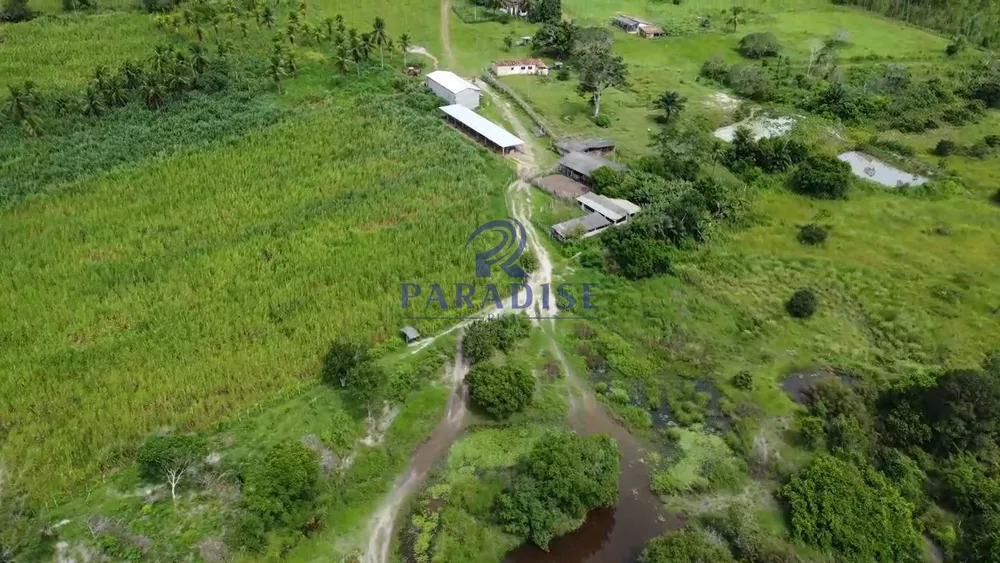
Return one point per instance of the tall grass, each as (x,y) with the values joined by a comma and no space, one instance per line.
(179,291)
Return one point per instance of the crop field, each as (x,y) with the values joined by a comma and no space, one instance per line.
(185,288)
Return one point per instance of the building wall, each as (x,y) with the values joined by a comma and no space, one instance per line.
(468,98)
(441,91)
(527,69)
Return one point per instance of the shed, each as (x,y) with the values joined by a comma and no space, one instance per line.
(617,211)
(627,23)
(579,166)
(594,146)
(410,334)
(453,88)
(586,226)
(481,128)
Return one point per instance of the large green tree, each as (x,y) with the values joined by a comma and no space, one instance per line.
(500,390)
(684,546)
(600,69)
(563,477)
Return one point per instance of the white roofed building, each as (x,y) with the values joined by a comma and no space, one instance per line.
(454,89)
(481,128)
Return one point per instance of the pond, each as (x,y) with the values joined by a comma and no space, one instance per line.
(761,127)
(868,167)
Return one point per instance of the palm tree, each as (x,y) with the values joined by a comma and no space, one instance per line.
(342,61)
(328,25)
(153,93)
(93,105)
(20,108)
(276,70)
(268,16)
(357,52)
(199,60)
(199,32)
(404,45)
(291,32)
(380,37)
(340,24)
(162,59)
(671,104)
(367,45)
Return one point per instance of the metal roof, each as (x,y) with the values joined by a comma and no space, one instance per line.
(451,81)
(410,333)
(590,223)
(585,164)
(496,134)
(584,145)
(612,209)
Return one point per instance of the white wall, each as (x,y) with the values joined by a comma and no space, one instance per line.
(468,98)
(441,91)
(528,69)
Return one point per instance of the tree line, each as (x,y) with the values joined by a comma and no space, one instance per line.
(976,20)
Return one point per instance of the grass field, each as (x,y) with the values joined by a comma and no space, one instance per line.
(185,288)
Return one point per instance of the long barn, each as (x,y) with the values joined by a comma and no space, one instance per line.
(481,128)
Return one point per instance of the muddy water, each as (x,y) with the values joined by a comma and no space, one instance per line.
(429,453)
(615,534)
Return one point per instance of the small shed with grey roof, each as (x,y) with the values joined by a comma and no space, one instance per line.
(580,166)
(586,226)
(410,334)
(617,211)
(592,146)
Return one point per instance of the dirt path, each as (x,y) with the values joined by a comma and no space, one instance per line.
(418,50)
(449,55)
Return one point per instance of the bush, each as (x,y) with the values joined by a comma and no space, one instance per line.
(802,305)
(16,11)
(992,141)
(812,234)
(592,259)
(279,487)
(759,45)
(945,147)
(715,69)
(482,338)
(563,75)
(158,6)
(500,390)
(996,197)
(602,121)
(743,380)
(752,81)
(563,477)
(834,505)
(636,253)
(822,176)
(684,546)
(528,260)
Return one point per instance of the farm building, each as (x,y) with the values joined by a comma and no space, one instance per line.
(617,211)
(483,129)
(591,146)
(604,212)
(586,226)
(520,66)
(561,186)
(579,166)
(517,8)
(410,334)
(638,26)
(454,89)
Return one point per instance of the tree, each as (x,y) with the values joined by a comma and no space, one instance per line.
(170,458)
(267,16)
(823,177)
(20,108)
(508,41)
(483,338)
(760,45)
(599,70)
(500,390)
(16,11)
(635,252)
(276,70)
(835,505)
(556,39)
(671,104)
(563,477)
(684,546)
(404,45)
(735,17)
(380,37)
(342,61)
(545,11)
(812,234)
(277,486)
(802,304)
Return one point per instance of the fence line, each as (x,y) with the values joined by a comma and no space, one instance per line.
(491,79)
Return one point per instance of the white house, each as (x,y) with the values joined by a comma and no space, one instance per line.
(520,66)
(454,88)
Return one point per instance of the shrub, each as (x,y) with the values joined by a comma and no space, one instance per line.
(759,45)
(563,477)
(743,380)
(484,337)
(684,546)
(563,75)
(158,6)
(752,81)
(602,121)
(592,259)
(812,234)
(636,253)
(16,11)
(945,147)
(278,487)
(605,178)
(161,454)
(528,260)
(992,141)
(715,69)
(996,197)
(812,430)
(802,305)
(822,176)
(835,505)
(500,390)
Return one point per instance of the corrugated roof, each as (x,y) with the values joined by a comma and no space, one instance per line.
(522,62)
(584,145)
(605,206)
(589,223)
(496,134)
(625,204)
(451,81)
(585,164)
(410,333)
